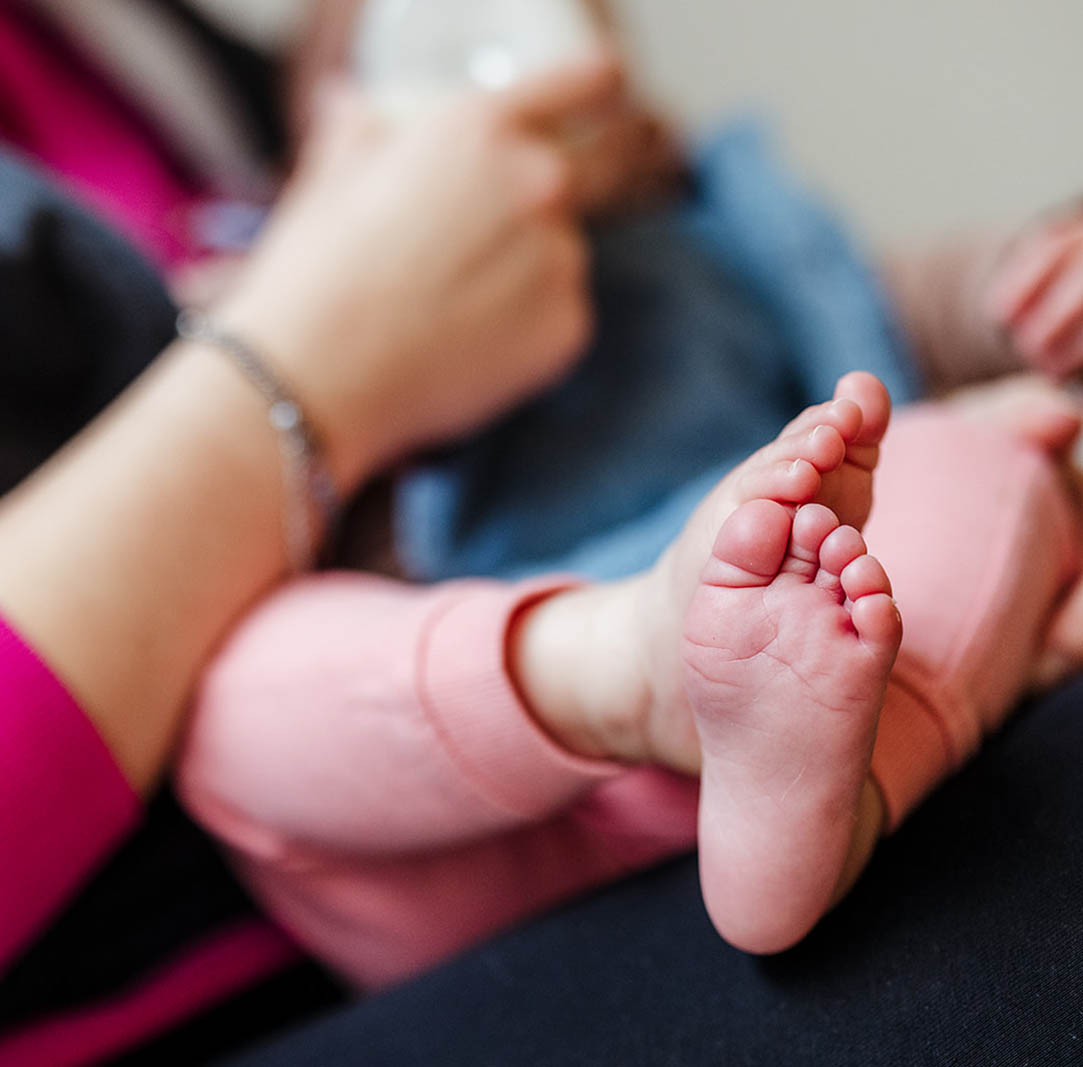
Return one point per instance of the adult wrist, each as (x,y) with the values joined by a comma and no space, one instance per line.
(311,502)
(176,484)
(355,423)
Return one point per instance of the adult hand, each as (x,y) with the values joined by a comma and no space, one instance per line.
(624,158)
(418,279)
(1036,294)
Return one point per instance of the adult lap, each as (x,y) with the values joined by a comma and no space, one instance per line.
(960,945)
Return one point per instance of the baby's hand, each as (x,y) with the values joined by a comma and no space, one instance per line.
(1036,295)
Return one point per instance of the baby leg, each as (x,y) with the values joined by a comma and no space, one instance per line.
(619,691)
(978,535)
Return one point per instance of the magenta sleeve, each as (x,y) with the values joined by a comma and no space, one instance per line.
(64,805)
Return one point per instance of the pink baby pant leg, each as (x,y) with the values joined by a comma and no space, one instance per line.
(977,535)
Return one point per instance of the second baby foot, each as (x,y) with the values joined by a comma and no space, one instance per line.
(827,453)
(787,647)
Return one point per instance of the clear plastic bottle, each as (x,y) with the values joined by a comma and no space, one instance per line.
(411,52)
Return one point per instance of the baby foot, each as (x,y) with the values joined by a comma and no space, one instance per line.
(847,490)
(787,647)
(632,705)
(828,454)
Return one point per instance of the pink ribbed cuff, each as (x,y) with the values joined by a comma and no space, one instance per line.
(913,750)
(465,688)
(64,804)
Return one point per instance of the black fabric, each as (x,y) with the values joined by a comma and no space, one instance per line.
(81,315)
(271,1007)
(962,945)
(166,887)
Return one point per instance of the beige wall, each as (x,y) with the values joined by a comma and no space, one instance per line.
(913,115)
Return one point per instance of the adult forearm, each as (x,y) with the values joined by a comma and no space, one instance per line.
(126,557)
(401,307)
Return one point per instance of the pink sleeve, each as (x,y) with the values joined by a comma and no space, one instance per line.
(357,713)
(361,748)
(978,535)
(64,805)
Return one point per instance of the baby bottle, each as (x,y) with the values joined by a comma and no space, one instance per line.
(412,52)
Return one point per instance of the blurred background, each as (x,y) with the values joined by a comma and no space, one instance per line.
(915,115)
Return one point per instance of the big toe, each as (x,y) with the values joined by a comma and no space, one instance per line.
(751,545)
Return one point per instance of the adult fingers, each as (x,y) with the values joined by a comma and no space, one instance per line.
(547,101)
(629,159)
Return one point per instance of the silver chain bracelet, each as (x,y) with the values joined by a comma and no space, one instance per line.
(312,501)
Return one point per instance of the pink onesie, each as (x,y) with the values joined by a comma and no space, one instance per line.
(362,753)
